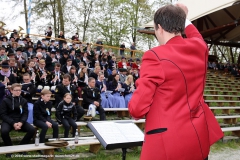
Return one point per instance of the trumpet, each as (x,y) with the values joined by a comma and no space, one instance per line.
(55,80)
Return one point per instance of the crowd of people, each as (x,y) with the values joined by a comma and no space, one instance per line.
(54,69)
(233,69)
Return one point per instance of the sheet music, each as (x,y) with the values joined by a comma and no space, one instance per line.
(113,132)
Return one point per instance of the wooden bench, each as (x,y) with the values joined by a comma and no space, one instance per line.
(220,102)
(220,91)
(225,97)
(94,146)
(229,119)
(121,112)
(225,110)
(235,130)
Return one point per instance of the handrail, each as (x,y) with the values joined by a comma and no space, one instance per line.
(73,41)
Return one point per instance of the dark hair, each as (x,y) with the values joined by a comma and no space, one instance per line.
(57,65)
(171,18)
(67,76)
(90,79)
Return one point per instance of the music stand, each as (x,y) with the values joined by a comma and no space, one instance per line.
(114,135)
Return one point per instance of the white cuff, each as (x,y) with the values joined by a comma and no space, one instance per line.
(187,22)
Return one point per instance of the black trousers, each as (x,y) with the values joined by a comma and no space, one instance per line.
(206,158)
(101,113)
(6,129)
(80,112)
(67,123)
(44,128)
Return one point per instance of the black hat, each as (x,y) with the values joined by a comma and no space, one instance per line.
(137,59)
(5,65)
(10,54)
(123,57)
(24,39)
(39,47)
(130,60)
(53,52)
(89,58)
(44,48)
(30,46)
(65,52)
(19,49)
(52,41)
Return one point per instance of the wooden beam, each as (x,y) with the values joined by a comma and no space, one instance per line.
(229,14)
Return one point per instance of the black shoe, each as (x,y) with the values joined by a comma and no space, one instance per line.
(57,150)
(9,155)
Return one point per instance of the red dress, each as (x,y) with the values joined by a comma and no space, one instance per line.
(179,124)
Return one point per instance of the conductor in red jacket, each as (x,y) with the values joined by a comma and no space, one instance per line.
(179,124)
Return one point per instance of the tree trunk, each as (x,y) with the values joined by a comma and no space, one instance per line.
(231,53)
(53,4)
(60,15)
(26,14)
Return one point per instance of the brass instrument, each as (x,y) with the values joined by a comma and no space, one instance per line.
(2,24)
(19,31)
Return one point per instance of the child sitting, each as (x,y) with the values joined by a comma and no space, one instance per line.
(42,115)
(66,114)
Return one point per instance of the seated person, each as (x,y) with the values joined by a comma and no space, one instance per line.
(66,67)
(56,75)
(64,88)
(107,99)
(129,88)
(66,114)
(114,86)
(14,113)
(6,77)
(92,99)
(42,115)
(42,74)
(28,90)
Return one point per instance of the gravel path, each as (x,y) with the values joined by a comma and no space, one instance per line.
(225,154)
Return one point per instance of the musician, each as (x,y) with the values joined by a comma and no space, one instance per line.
(30,52)
(66,87)
(42,75)
(107,99)
(56,75)
(66,67)
(21,57)
(28,91)
(15,69)
(74,76)
(122,63)
(95,73)
(6,77)
(129,87)
(52,46)
(48,33)
(64,58)
(92,99)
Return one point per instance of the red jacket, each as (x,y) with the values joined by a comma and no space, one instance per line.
(179,124)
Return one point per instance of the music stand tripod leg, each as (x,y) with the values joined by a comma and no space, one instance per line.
(124,152)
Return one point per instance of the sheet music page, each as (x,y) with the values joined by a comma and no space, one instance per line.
(113,132)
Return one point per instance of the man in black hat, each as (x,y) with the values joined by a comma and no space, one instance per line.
(21,57)
(30,51)
(5,75)
(64,58)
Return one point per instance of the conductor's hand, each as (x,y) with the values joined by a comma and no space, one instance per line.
(183,7)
